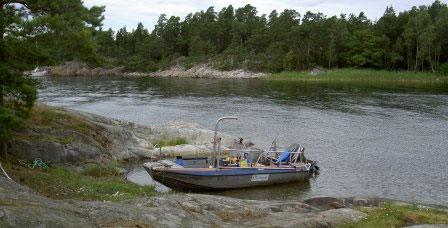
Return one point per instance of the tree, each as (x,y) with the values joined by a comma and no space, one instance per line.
(200,47)
(36,32)
(363,45)
(224,28)
(441,24)
(106,43)
(388,31)
(246,21)
(419,36)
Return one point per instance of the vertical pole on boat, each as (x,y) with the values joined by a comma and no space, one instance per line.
(216,143)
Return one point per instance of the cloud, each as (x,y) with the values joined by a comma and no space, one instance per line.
(128,13)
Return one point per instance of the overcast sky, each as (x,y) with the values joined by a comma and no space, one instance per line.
(128,13)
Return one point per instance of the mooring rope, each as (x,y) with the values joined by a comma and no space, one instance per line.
(37,163)
(5,173)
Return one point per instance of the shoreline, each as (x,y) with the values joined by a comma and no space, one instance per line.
(378,78)
(198,71)
(348,76)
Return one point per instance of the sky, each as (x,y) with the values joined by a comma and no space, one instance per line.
(128,13)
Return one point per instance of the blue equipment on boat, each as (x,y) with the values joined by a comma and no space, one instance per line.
(180,161)
(284,156)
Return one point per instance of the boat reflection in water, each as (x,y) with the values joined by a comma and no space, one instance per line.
(272,167)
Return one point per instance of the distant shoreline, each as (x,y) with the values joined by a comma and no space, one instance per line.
(349,76)
(380,78)
(198,71)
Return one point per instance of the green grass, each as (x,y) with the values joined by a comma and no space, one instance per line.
(43,115)
(59,183)
(57,125)
(171,142)
(96,170)
(366,76)
(398,215)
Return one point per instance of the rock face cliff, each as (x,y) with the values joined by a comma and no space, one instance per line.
(59,135)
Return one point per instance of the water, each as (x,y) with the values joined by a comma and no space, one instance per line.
(369,141)
(139,176)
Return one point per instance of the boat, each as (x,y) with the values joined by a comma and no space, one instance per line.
(271,167)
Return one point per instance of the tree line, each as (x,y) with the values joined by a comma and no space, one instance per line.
(416,39)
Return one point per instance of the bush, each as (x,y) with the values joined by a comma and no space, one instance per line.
(171,142)
(187,62)
(230,59)
(443,69)
(257,62)
(96,170)
(138,63)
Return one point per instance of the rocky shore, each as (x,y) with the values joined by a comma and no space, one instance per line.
(198,71)
(21,207)
(59,135)
(202,71)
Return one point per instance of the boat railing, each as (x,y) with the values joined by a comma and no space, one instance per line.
(242,150)
(217,141)
(273,155)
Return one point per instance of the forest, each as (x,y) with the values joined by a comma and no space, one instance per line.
(230,38)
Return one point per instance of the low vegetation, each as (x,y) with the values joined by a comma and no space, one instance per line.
(366,76)
(96,170)
(399,215)
(443,69)
(52,124)
(95,183)
(52,117)
(170,142)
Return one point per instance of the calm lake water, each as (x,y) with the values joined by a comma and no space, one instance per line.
(369,142)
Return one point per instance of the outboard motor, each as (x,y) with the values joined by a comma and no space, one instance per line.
(314,168)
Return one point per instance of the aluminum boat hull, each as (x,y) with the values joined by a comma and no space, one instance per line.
(198,179)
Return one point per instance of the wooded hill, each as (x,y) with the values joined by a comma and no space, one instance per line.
(416,39)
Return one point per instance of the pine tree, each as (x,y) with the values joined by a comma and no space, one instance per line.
(34,32)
